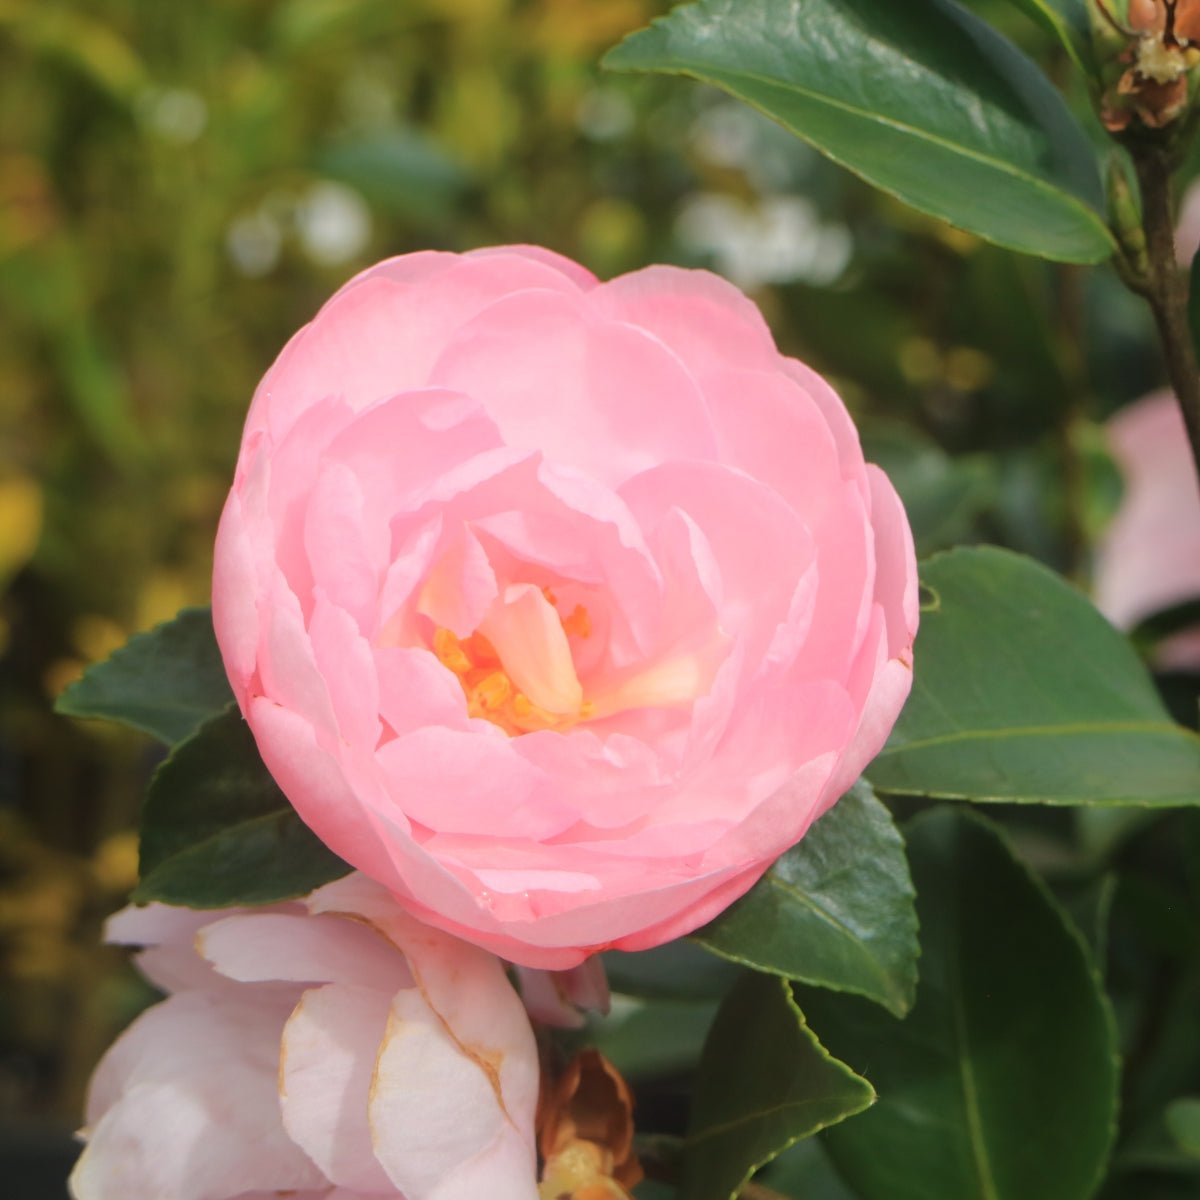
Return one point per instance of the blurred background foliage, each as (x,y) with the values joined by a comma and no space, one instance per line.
(182,184)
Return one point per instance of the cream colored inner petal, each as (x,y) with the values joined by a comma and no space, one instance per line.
(528,636)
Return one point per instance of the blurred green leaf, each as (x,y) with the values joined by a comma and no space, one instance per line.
(922,99)
(1067,20)
(678,970)
(942,495)
(165,682)
(1001,1083)
(1183,1123)
(1023,692)
(764,1082)
(1170,1141)
(217,831)
(836,910)
(805,1172)
(91,47)
(650,1038)
(49,284)
(398,170)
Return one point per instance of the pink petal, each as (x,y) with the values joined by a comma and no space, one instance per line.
(703,318)
(1150,558)
(346,662)
(597,395)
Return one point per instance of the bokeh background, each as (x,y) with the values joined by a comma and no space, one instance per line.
(183,183)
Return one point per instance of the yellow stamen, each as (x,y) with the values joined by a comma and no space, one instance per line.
(489,688)
(450,652)
(578,623)
(492,692)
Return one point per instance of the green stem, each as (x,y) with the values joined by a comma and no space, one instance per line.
(1164,286)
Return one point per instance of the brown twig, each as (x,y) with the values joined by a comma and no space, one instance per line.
(1163,285)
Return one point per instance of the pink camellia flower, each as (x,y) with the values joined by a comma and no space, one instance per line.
(330,1049)
(1149,560)
(559,607)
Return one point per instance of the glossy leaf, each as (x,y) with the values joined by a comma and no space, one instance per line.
(835,910)
(165,681)
(922,99)
(1024,693)
(764,1082)
(1001,1082)
(217,831)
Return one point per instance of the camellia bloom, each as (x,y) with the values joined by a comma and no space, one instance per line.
(1149,560)
(559,607)
(330,1049)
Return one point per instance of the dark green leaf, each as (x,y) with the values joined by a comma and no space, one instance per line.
(165,681)
(835,910)
(217,831)
(922,99)
(1023,692)
(1001,1082)
(764,1082)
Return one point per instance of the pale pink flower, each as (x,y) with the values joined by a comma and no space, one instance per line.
(1149,559)
(332,1048)
(559,607)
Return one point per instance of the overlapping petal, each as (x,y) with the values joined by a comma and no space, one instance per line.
(559,608)
(332,1048)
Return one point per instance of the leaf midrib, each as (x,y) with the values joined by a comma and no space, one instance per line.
(1069,729)
(966,1078)
(736,1123)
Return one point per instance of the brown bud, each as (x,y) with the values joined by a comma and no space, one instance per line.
(585,1133)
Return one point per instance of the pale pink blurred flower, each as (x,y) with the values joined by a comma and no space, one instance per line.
(329,1049)
(1187,231)
(1149,559)
(559,607)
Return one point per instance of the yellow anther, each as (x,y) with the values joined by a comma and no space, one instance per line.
(492,692)
(489,688)
(578,622)
(450,652)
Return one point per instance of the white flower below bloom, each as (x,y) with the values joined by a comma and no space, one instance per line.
(331,1048)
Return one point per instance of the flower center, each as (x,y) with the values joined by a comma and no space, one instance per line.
(500,693)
